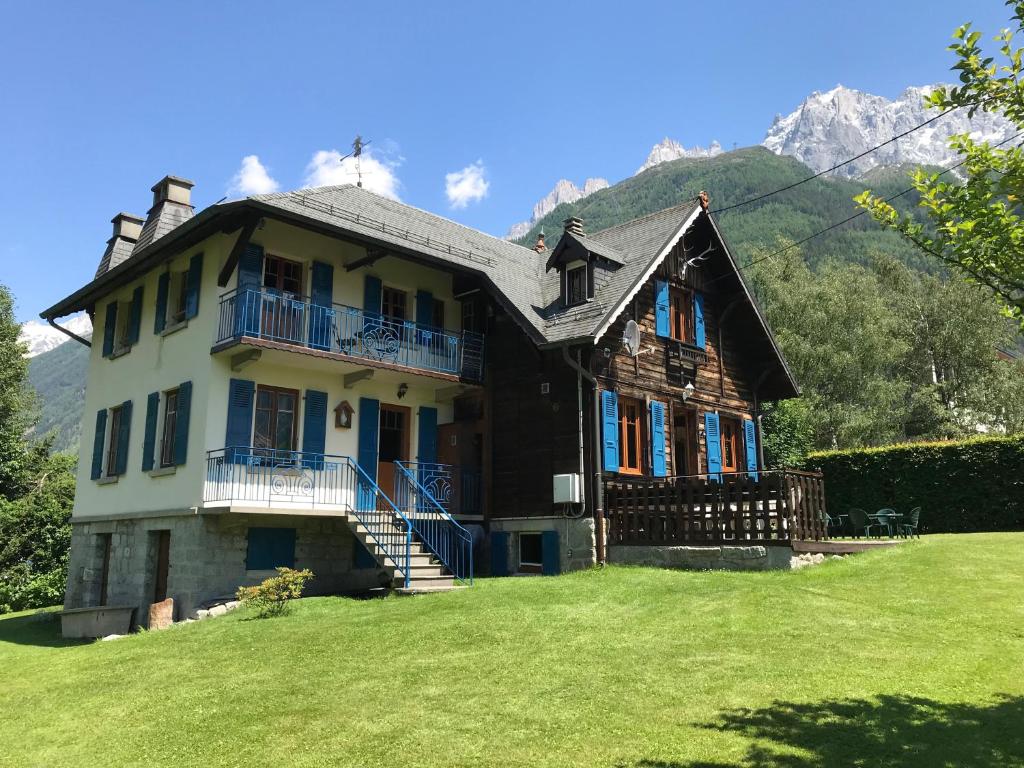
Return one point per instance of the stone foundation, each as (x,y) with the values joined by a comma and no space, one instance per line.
(723,558)
(207,559)
(576,539)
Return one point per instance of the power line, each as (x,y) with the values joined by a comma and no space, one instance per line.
(857,215)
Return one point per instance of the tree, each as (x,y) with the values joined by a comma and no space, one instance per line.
(18,459)
(975,226)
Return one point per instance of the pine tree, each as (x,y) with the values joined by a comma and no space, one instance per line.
(18,458)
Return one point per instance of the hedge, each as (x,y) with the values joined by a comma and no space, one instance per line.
(964,486)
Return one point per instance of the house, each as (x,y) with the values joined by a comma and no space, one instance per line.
(333,380)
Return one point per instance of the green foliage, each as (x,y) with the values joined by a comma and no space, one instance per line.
(35,535)
(271,597)
(976,225)
(58,377)
(787,432)
(966,486)
(17,407)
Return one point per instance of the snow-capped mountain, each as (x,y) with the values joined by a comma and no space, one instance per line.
(40,337)
(669,149)
(833,126)
(564,192)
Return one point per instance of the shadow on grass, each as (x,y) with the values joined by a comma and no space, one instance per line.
(893,731)
(39,629)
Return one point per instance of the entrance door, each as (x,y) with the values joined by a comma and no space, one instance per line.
(276,423)
(684,445)
(282,314)
(393,444)
(163,564)
(730,444)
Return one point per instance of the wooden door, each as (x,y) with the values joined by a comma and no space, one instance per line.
(730,429)
(393,444)
(282,282)
(163,565)
(684,443)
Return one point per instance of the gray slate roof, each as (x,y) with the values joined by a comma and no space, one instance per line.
(119,249)
(163,218)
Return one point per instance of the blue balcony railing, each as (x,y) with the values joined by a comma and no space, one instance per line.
(291,319)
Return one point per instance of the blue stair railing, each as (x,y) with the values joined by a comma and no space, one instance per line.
(439,532)
(384,522)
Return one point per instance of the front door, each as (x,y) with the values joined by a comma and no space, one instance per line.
(282,304)
(730,444)
(393,444)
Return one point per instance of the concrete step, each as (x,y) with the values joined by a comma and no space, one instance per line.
(418,589)
(427,581)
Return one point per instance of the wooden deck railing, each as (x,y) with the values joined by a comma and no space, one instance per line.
(772,508)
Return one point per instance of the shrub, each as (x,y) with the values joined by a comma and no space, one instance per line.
(962,486)
(271,598)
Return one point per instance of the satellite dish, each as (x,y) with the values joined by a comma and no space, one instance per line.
(631,338)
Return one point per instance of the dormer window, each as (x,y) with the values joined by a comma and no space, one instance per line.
(576,285)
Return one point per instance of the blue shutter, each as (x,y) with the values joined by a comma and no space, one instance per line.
(193,282)
(424,315)
(499,553)
(181,425)
(699,338)
(238,435)
(123,435)
(713,445)
(610,430)
(661,324)
(658,439)
(321,311)
(135,318)
(366,452)
(149,440)
(750,441)
(270,548)
(371,301)
(427,441)
(97,444)
(160,318)
(109,329)
(314,429)
(551,561)
(247,297)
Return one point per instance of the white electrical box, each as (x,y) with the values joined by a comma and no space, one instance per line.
(568,489)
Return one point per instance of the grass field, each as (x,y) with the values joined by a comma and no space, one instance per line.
(905,657)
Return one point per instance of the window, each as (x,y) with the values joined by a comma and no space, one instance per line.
(393,304)
(269,548)
(437,314)
(169,429)
(684,442)
(680,315)
(472,319)
(176,297)
(276,420)
(531,553)
(113,443)
(630,436)
(122,332)
(730,429)
(282,275)
(576,285)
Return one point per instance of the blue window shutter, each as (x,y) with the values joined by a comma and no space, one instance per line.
(713,445)
(427,441)
(321,313)
(424,308)
(238,435)
(149,441)
(314,429)
(366,451)
(551,561)
(610,431)
(193,282)
(661,308)
(160,318)
(372,295)
(699,337)
(750,442)
(658,439)
(109,329)
(135,318)
(270,548)
(250,268)
(123,435)
(247,297)
(97,444)
(499,553)
(181,425)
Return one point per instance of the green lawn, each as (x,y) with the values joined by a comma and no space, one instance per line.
(906,657)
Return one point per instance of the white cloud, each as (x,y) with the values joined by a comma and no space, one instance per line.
(252,178)
(466,186)
(326,168)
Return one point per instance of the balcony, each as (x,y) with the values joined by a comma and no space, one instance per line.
(348,333)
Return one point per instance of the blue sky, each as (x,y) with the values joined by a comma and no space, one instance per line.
(101,100)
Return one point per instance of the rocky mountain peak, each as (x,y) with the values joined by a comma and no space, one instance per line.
(564,191)
(668,149)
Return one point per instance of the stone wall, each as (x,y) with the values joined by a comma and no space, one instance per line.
(723,558)
(575,538)
(207,559)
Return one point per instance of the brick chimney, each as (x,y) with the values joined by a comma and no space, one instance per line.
(127,229)
(539,246)
(574,224)
(172,206)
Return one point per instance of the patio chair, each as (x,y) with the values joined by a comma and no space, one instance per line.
(859,521)
(884,518)
(833,525)
(909,526)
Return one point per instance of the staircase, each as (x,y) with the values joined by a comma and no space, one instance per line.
(426,572)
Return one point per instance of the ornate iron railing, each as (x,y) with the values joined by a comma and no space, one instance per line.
(432,525)
(264,477)
(293,319)
(458,490)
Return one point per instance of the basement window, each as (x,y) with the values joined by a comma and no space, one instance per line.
(531,553)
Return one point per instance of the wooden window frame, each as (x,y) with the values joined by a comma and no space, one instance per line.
(168,428)
(273,426)
(387,303)
(680,308)
(688,464)
(279,285)
(730,425)
(437,314)
(625,404)
(114,416)
(571,299)
(470,314)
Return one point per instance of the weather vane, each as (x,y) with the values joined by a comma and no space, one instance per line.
(357,152)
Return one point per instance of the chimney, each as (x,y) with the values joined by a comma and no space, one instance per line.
(127,226)
(703,199)
(539,246)
(574,225)
(174,189)
(127,229)
(172,207)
